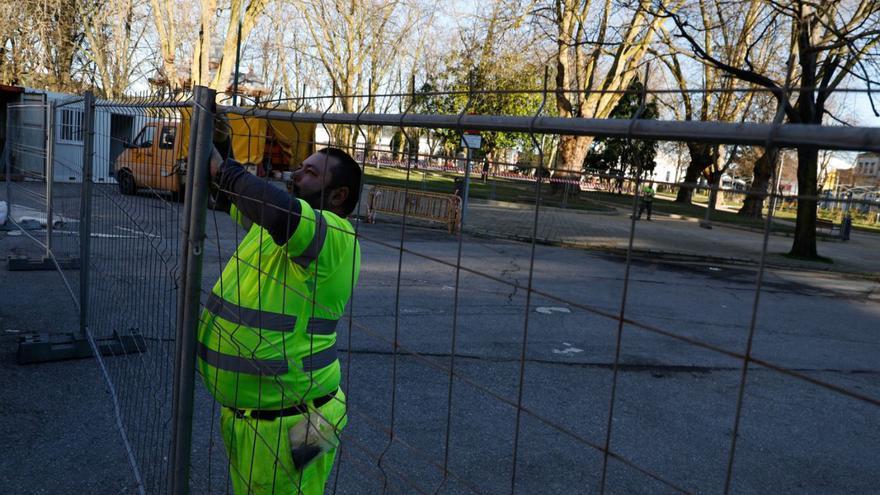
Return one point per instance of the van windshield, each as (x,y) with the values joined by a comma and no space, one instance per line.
(145,138)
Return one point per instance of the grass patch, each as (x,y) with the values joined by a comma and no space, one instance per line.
(667,205)
(870,228)
(499,189)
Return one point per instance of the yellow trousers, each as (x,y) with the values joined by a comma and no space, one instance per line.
(259,453)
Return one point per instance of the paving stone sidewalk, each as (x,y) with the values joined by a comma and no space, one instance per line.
(665,235)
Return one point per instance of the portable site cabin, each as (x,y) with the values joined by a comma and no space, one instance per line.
(25,116)
(113,128)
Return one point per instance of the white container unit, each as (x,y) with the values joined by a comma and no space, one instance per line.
(113,128)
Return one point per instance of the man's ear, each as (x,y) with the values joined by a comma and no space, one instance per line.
(338,196)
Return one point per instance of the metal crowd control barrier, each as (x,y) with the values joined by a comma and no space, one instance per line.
(434,207)
(69,155)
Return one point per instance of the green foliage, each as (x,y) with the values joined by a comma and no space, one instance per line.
(425,101)
(627,155)
(505,73)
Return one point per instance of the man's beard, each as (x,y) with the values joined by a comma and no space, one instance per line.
(314,199)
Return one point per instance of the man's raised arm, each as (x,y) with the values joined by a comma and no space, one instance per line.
(262,203)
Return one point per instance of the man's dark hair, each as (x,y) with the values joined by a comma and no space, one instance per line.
(346,173)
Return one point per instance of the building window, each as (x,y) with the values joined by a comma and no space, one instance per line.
(70,127)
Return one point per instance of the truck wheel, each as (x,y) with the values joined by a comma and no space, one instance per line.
(126,182)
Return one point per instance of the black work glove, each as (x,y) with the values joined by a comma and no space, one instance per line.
(223,136)
(222,139)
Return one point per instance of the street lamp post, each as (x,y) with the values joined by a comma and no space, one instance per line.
(775,191)
(470,142)
(237,57)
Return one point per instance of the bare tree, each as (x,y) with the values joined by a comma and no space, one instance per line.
(165,18)
(114,31)
(42,43)
(213,56)
(12,44)
(599,49)
(728,31)
(200,65)
(248,13)
(357,43)
(831,42)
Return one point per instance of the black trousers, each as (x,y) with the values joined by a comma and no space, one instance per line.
(645,205)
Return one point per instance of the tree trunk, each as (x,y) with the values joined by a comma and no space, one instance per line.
(572,151)
(753,206)
(372,133)
(805,229)
(809,111)
(342,135)
(702,156)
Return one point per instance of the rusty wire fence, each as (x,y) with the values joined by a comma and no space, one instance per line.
(491,360)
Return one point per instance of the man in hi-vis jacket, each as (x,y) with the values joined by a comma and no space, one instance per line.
(267,335)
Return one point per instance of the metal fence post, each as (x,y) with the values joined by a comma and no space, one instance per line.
(467,183)
(7,159)
(85,222)
(50,173)
(193,222)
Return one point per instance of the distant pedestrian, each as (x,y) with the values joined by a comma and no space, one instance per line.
(618,181)
(647,200)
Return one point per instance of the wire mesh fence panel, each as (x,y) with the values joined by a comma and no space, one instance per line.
(40,206)
(135,214)
(65,143)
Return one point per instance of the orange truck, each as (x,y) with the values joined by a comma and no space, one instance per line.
(156,159)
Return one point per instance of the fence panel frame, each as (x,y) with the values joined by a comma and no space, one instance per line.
(195,213)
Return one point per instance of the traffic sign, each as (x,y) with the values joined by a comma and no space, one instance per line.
(472,141)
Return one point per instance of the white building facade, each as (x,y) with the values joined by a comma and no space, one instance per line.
(868,165)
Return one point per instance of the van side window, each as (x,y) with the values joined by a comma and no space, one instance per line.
(145,138)
(166,139)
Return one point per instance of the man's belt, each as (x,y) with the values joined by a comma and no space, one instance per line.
(269,415)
